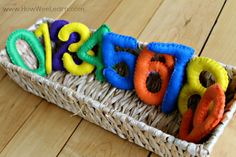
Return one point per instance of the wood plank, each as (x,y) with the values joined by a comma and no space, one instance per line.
(221,47)
(186,22)
(113,28)
(225,146)
(23,18)
(123,20)
(2,73)
(12,20)
(132,16)
(91,140)
(48,127)
(16,106)
(221,44)
(94,14)
(43,134)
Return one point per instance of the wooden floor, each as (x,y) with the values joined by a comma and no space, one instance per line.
(31,127)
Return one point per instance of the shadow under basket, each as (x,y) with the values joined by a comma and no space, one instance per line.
(118,111)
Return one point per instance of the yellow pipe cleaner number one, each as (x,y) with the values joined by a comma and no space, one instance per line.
(44,31)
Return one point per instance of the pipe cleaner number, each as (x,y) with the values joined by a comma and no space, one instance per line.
(35,45)
(69,63)
(182,56)
(43,30)
(96,38)
(111,58)
(57,63)
(146,65)
(194,86)
(202,121)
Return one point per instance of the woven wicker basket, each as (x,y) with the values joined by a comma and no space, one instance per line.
(117,111)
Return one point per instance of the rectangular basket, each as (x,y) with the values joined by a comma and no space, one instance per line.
(117,111)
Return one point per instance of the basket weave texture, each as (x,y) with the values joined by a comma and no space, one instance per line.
(117,111)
